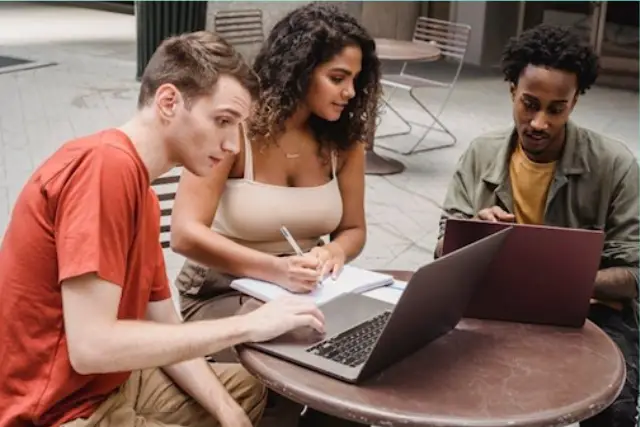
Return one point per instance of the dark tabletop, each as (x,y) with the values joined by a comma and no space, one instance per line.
(483,373)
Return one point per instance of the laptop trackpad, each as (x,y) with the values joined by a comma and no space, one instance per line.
(340,314)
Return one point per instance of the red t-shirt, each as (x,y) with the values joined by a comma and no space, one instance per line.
(88,209)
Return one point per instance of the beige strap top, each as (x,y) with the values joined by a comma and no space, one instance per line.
(251,213)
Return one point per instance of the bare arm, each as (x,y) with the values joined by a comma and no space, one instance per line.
(99,342)
(191,234)
(194,376)
(351,233)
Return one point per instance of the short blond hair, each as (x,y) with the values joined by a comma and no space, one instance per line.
(193,62)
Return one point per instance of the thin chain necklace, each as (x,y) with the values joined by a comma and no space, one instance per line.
(290,156)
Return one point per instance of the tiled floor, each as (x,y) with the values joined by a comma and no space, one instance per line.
(93,87)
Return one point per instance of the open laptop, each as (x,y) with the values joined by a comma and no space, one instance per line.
(365,335)
(541,274)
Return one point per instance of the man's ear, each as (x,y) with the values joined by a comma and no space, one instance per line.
(166,99)
(512,90)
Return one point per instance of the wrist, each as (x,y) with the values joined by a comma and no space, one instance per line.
(240,328)
(336,250)
(273,272)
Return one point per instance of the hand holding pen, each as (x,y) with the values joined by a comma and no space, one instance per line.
(330,261)
(299,273)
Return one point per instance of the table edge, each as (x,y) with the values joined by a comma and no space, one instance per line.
(437,51)
(373,416)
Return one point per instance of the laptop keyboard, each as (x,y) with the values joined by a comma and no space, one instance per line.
(352,346)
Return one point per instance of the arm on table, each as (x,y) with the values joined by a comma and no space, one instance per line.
(99,342)
(618,277)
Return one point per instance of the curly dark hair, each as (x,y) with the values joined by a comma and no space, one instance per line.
(553,47)
(304,39)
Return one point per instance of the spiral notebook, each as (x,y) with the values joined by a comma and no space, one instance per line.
(351,280)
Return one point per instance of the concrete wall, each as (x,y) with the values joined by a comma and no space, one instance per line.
(473,13)
(381,19)
(272,12)
(492,24)
(501,23)
(390,19)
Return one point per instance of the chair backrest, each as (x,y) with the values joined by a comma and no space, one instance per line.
(451,38)
(240,26)
(165,188)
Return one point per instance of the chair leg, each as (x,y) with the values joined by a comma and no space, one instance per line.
(435,122)
(397,113)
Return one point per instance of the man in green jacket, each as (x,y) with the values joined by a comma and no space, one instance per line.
(548,170)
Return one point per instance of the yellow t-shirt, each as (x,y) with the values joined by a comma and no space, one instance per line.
(530,183)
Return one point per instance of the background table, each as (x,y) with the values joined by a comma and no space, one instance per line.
(396,50)
(481,374)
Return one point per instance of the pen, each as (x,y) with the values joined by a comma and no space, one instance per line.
(291,241)
(294,244)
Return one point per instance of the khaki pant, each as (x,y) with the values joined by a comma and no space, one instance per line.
(280,411)
(150,399)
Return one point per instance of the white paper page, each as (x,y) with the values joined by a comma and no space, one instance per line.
(350,280)
(390,294)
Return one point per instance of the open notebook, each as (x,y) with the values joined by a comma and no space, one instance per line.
(351,280)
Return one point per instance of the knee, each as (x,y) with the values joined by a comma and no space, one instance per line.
(250,393)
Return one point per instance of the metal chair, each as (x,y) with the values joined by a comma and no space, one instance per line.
(452,40)
(242,28)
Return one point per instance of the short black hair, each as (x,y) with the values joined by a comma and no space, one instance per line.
(552,47)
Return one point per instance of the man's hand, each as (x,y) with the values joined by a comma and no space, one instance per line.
(282,315)
(495,214)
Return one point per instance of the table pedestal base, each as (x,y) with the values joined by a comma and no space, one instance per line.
(379,165)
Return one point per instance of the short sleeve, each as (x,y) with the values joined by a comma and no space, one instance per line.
(160,289)
(95,215)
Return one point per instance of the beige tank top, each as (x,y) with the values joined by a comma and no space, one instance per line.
(251,213)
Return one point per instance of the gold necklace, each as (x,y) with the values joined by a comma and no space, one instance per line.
(290,156)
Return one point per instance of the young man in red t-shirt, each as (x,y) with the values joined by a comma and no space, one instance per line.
(86,316)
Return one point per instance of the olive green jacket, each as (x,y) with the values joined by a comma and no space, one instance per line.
(595,187)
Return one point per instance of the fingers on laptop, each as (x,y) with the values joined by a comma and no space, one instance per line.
(307,313)
(495,214)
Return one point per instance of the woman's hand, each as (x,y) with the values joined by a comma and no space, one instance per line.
(298,274)
(331,259)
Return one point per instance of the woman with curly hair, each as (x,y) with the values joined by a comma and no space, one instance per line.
(300,163)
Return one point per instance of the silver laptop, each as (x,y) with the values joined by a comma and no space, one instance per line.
(365,335)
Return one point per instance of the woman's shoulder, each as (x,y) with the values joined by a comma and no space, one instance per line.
(343,157)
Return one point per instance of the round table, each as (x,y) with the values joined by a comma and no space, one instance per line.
(483,373)
(404,50)
(396,50)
